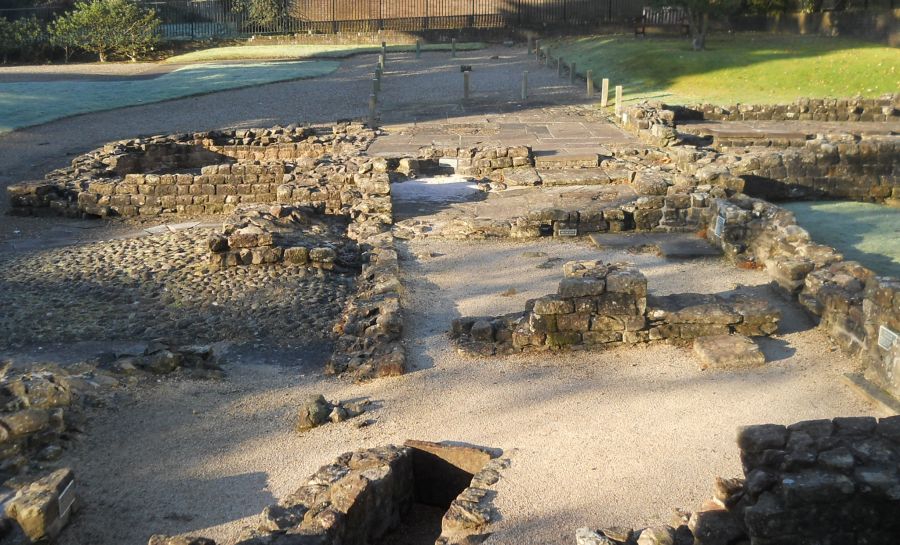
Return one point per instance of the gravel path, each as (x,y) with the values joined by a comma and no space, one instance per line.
(617,437)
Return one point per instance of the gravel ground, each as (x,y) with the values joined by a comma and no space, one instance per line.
(617,437)
(159,286)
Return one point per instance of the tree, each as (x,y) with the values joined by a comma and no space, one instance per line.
(65,34)
(107,27)
(22,37)
(699,13)
(264,13)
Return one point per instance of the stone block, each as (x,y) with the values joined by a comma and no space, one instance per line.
(581,287)
(553,305)
(727,351)
(44,507)
(576,321)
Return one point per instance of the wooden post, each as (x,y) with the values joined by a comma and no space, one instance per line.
(384,48)
(466,85)
(604,93)
(618,99)
(590,83)
(525,85)
(530,44)
(559,67)
(418,48)
(537,50)
(572,73)
(381,61)
(376,85)
(373,101)
(453,47)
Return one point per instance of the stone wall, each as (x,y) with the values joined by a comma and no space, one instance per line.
(604,305)
(479,162)
(884,108)
(851,303)
(201,173)
(362,497)
(853,166)
(822,481)
(817,482)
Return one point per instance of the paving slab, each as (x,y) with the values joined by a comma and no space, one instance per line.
(727,352)
(686,246)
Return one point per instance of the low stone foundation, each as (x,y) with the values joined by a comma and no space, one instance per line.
(364,495)
(858,309)
(605,305)
(884,108)
(819,482)
(201,173)
(847,165)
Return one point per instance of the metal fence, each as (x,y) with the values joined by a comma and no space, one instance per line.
(199,19)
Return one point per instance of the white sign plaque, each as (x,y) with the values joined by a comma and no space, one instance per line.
(720,226)
(886,338)
(568,232)
(66,498)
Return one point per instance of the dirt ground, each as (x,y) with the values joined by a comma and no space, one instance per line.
(596,438)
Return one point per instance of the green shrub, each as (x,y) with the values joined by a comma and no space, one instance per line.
(107,27)
(22,38)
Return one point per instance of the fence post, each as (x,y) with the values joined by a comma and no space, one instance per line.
(525,85)
(418,48)
(383,49)
(604,93)
(618,99)
(537,50)
(373,102)
(452,47)
(559,67)
(376,85)
(572,73)
(590,83)
(466,85)
(530,44)
(381,61)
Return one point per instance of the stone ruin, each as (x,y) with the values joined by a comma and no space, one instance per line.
(852,304)
(818,481)
(364,496)
(606,305)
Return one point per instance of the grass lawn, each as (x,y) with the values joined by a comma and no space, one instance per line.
(23,104)
(748,68)
(283,52)
(864,232)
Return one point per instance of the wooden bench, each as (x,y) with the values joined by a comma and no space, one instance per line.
(665,16)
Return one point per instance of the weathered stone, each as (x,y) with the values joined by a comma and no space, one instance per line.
(727,351)
(553,305)
(44,507)
(314,412)
(586,536)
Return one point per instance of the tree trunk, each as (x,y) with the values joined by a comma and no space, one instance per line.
(102,55)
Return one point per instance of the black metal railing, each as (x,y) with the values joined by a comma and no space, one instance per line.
(201,19)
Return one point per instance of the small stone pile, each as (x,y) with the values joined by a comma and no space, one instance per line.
(260,234)
(317,410)
(652,122)
(604,305)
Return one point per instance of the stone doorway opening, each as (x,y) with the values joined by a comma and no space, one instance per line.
(441,473)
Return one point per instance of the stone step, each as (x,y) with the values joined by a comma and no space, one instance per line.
(584,176)
(580,160)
